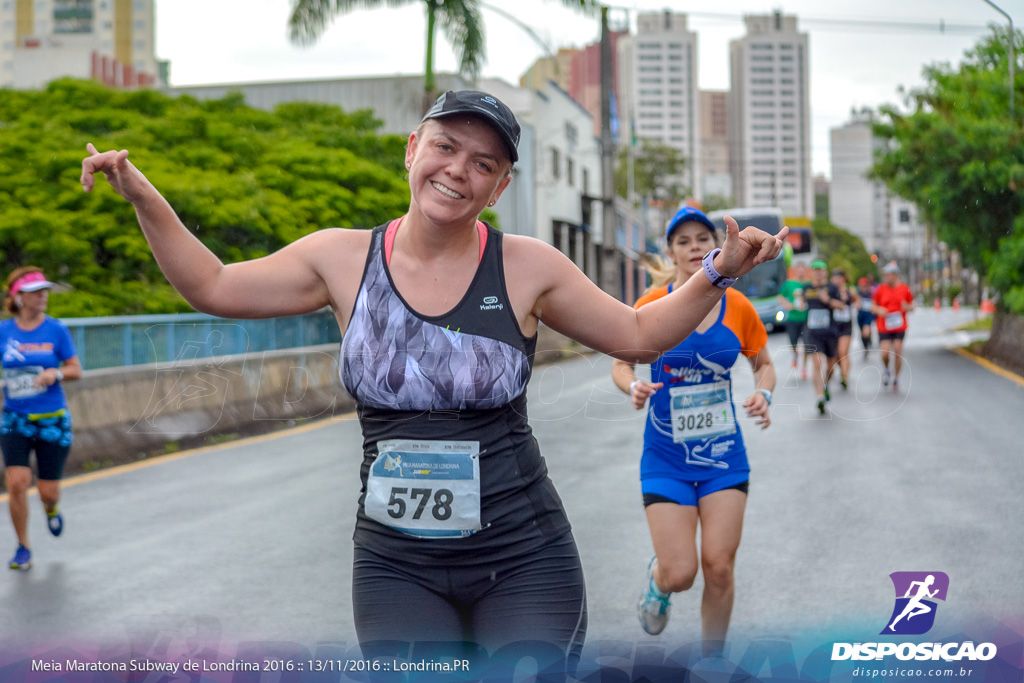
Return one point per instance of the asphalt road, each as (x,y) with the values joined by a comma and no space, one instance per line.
(251,541)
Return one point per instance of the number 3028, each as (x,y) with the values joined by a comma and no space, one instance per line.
(691,422)
(441,509)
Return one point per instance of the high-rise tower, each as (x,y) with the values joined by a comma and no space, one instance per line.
(770,125)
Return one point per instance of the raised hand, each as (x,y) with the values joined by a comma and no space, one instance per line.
(122,175)
(744,250)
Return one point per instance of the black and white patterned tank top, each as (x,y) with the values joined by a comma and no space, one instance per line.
(460,376)
(473,357)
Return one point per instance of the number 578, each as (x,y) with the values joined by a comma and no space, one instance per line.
(441,510)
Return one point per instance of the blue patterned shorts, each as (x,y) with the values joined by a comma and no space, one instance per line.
(53,429)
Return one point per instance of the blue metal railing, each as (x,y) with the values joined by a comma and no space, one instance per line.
(138,339)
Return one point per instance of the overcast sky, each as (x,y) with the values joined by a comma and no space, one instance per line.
(852,65)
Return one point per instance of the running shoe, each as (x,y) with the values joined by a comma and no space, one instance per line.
(821,405)
(55,522)
(794,363)
(803,374)
(654,605)
(22,558)
(842,382)
(828,394)
(895,383)
(886,377)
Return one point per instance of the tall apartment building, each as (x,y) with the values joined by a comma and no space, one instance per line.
(887,225)
(658,87)
(770,125)
(546,69)
(112,40)
(716,179)
(585,77)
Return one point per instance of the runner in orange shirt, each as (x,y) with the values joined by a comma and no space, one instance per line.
(893,301)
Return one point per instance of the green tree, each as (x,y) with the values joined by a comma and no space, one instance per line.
(842,249)
(657,169)
(247,181)
(459,19)
(717,202)
(960,158)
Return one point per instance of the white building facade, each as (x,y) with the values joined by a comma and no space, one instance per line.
(564,165)
(658,88)
(41,40)
(769,116)
(887,225)
(559,157)
(396,101)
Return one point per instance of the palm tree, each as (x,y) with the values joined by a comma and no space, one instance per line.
(459,19)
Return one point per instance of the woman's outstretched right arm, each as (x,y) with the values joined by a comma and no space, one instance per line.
(288,282)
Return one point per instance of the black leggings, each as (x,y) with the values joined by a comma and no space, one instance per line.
(495,613)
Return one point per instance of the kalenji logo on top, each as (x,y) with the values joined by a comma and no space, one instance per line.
(491,304)
(916,593)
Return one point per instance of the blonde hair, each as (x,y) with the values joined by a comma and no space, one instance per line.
(9,304)
(660,269)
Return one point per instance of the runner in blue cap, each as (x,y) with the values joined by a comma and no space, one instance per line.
(694,470)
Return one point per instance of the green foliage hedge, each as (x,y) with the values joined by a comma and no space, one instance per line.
(247,181)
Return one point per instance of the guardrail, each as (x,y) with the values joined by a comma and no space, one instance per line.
(119,341)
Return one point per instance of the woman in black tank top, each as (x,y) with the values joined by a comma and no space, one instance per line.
(460,536)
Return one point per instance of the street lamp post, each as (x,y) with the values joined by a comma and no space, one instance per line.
(1012,56)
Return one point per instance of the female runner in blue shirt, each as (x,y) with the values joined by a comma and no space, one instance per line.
(694,466)
(37,356)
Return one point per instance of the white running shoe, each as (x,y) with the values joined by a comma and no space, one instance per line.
(654,605)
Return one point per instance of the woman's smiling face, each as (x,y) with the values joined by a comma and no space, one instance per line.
(457,166)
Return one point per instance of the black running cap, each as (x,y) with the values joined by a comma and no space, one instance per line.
(488,107)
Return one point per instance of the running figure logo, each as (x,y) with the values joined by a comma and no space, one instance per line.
(916,592)
(13,351)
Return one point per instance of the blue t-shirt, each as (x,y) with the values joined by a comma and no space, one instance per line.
(26,353)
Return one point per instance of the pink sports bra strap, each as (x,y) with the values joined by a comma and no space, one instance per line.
(392,230)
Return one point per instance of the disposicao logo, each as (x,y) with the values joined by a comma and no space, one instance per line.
(912,615)
(916,593)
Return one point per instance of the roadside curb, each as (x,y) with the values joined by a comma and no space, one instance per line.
(989,365)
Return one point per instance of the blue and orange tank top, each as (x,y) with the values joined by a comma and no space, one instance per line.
(692,432)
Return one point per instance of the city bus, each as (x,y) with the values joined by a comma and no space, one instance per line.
(763,283)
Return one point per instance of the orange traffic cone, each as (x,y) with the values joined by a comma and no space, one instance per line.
(987,306)
(938,304)
(956,303)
